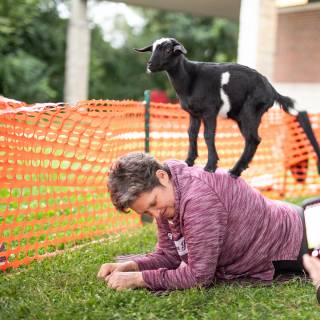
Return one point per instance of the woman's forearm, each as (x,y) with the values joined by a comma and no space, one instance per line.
(130,266)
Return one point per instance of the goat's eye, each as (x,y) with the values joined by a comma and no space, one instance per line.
(168,50)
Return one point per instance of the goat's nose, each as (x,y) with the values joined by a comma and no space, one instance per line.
(149,66)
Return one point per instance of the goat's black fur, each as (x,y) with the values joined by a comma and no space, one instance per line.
(198,86)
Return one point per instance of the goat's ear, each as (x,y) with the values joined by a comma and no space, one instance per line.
(179,48)
(145,49)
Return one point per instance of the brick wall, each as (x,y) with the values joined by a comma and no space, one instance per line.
(297,57)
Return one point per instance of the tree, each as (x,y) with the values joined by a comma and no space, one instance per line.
(32,50)
(33,44)
(118,73)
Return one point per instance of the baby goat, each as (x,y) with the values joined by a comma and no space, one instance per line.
(206,90)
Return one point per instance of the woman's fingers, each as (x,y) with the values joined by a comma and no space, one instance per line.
(108,281)
(105,270)
(112,280)
(116,280)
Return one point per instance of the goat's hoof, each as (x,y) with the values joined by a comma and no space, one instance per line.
(210,168)
(234,174)
(190,163)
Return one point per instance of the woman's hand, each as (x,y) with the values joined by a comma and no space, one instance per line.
(107,268)
(125,280)
(312,265)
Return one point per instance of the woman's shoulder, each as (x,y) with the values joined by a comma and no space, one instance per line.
(195,176)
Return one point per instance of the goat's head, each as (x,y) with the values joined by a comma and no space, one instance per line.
(165,54)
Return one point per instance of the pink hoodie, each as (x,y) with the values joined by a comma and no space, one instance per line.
(222,228)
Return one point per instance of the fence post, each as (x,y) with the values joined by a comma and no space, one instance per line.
(145,218)
(147,121)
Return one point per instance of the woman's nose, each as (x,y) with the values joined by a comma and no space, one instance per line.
(155,212)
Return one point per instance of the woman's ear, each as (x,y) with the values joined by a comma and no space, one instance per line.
(162,176)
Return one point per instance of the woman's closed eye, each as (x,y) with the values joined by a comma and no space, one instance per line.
(153,204)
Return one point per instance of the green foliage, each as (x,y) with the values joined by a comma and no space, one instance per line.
(119,73)
(65,287)
(205,38)
(32,50)
(33,43)
(26,73)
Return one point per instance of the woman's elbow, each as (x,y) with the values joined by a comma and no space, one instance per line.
(204,280)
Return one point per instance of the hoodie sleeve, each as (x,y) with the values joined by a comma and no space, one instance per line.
(203,234)
(165,255)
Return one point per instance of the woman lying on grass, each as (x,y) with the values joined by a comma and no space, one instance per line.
(210,225)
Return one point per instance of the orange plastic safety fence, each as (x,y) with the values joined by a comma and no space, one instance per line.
(275,167)
(54,161)
(301,176)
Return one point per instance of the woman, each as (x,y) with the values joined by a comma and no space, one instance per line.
(210,225)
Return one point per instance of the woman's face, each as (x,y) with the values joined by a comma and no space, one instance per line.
(159,201)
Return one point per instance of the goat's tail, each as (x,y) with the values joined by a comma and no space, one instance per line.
(286,103)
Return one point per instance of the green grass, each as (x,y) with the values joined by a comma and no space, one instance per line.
(65,287)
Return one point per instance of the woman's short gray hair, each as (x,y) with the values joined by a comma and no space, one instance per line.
(130,176)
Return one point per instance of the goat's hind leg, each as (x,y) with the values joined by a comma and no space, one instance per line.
(249,121)
(194,126)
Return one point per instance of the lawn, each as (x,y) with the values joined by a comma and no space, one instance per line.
(65,287)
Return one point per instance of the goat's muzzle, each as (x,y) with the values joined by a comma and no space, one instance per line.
(149,67)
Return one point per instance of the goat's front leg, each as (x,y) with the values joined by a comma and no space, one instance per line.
(194,126)
(209,136)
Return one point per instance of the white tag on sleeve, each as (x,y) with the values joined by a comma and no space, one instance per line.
(181,246)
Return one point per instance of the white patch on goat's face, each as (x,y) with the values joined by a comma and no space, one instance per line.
(159,41)
(294,112)
(225,108)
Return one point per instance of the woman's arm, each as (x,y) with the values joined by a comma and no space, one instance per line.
(203,235)
(128,275)
(165,255)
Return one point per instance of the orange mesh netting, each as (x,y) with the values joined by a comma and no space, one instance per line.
(275,167)
(301,176)
(54,160)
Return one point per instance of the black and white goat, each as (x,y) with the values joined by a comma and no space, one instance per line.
(206,90)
